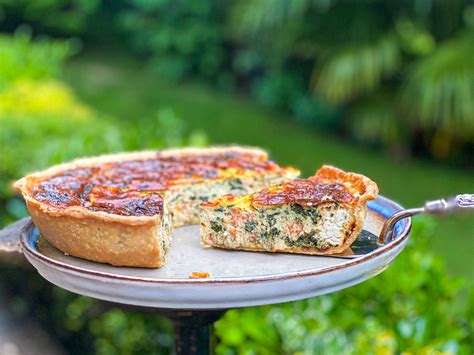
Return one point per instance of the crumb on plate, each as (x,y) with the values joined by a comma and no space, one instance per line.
(200,275)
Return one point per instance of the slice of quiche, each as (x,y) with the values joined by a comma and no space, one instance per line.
(120,209)
(321,215)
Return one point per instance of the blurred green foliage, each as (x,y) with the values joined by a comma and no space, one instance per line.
(23,59)
(182,37)
(403,75)
(63,16)
(395,76)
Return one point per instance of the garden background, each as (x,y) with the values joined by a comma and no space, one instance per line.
(380,87)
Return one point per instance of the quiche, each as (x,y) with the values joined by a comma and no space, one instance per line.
(120,209)
(320,215)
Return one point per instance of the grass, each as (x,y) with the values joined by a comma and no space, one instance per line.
(123,87)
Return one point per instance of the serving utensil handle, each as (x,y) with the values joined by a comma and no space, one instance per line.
(442,206)
(449,205)
(10,235)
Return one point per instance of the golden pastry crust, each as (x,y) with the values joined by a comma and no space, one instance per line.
(359,185)
(122,240)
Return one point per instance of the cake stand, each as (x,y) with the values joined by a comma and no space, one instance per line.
(238,278)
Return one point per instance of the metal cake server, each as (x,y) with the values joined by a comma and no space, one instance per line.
(367,242)
(443,206)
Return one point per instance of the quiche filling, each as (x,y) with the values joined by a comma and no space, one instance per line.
(320,215)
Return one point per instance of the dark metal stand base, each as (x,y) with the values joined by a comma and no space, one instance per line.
(193,330)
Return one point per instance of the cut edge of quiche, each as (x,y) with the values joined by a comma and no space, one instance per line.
(321,215)
(139,240)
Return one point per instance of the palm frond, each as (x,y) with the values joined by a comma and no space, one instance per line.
(250,17)
(355,70)
(439,91)
(415,39)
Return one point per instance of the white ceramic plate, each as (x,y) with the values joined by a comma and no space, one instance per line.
(239,278)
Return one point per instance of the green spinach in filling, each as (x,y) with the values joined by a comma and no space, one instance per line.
(216,226)
(306,240)
(306,212)
(250,226)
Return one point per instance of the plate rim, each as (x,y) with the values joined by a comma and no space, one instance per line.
(65,267)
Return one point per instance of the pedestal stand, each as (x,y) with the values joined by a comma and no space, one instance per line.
(193,330)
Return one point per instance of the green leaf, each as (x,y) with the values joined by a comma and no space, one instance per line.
(357,69)
(250,17)
(439,92)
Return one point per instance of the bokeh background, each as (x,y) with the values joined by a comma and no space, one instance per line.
(381,87)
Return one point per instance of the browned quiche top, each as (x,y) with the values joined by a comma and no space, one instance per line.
(135,187)
(329,184)
(305,193)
